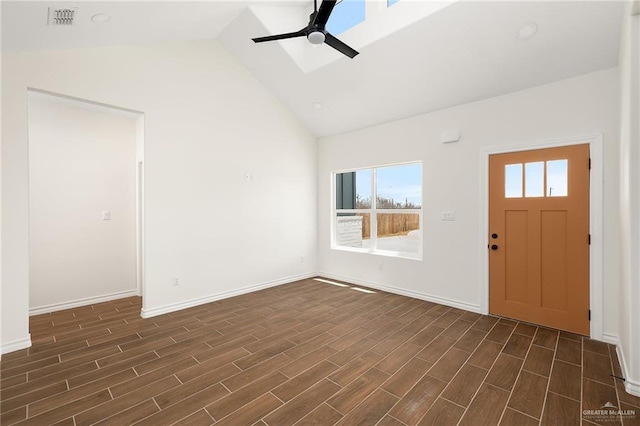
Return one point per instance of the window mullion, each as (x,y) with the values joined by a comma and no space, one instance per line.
(373,220)
(399,211)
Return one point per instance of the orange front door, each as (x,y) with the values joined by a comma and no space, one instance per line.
(539,237)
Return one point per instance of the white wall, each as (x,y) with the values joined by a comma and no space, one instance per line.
(629,314)
(82,161)
(207,122)
(1,221)
(452,269)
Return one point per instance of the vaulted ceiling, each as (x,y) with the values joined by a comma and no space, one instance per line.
(416,57)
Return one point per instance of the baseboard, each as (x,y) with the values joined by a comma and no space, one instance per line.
(611,339)
(630,386)
(81,302)
(16,345)
(148,313)
(416,295)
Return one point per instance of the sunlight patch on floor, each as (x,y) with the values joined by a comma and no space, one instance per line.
(344,285)
(330,282)
(363,290)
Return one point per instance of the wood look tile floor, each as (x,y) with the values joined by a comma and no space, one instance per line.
(307,353)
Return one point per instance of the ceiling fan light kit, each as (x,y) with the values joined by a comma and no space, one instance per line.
(315,30)
(316,37)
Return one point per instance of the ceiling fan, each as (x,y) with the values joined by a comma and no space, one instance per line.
(315,31)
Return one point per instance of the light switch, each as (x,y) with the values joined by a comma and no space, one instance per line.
(448,216)
(106,215)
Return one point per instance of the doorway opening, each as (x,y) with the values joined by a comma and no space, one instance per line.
(86,202)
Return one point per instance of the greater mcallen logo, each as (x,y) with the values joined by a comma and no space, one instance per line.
(609,412)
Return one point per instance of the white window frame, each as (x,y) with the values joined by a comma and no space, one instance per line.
(373,212)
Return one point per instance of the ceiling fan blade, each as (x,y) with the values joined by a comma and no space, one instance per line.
(339,46)
(302,32)
(323,13)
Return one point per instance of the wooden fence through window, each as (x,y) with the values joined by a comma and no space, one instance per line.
(391,224)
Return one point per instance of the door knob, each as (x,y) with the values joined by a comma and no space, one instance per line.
(494,247)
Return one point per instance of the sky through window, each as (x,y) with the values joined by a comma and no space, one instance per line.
(346,14)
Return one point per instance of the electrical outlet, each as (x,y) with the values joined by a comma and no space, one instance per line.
(175,281)
(301,259)
(380,266)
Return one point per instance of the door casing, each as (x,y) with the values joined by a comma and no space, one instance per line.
(596,198)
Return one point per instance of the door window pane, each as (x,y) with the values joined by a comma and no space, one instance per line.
(557,178)
(534,179)
(513,180)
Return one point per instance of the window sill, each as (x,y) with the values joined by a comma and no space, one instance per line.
(385,253)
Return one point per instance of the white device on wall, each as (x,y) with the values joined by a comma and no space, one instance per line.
(450,136)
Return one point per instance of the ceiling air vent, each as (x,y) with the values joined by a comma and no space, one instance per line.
(62,16)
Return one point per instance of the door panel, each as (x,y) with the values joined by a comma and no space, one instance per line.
(539,227)
(553,259)
(516,255)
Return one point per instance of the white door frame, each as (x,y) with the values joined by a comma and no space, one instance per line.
(140,209)
(596,206)
(139,205)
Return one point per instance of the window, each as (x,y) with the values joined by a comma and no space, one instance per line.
(346,15)
(391,2)
(534,179)
(541,179)
(513,180)
(379,210)
(557,178)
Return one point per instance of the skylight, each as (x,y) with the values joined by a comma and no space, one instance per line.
(358,23)
(346,15)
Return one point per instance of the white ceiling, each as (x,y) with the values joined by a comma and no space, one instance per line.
(459,53)
(24,23)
